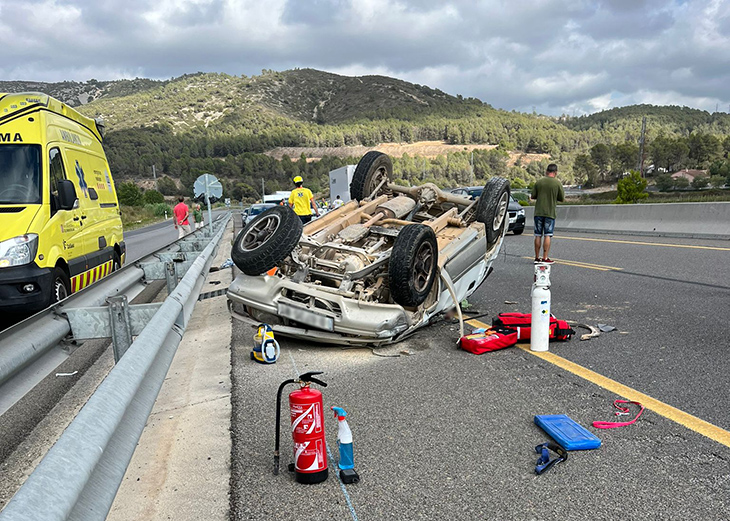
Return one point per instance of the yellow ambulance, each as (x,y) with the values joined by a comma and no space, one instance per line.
(60,224)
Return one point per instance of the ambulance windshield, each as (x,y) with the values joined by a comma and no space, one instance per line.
(20,174)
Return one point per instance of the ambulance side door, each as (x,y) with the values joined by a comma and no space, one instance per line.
(77,170)
(65,226)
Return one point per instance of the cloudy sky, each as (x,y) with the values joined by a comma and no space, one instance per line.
(553,56)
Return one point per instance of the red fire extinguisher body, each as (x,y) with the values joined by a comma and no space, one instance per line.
(307,426)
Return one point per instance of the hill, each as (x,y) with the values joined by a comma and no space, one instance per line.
(75,93)
(671,119)
(303,121)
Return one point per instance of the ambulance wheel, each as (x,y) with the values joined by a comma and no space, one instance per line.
(413,265)
(61,285)
(266,240)
(116,263)
(373,168)
(492,209)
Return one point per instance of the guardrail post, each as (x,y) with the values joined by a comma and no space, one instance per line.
(170,276)
(120,322)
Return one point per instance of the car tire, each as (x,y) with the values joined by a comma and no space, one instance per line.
(518,231)
(370,171)
(266,240)
(116,262)
(413,265)
(61,286)
(492,209)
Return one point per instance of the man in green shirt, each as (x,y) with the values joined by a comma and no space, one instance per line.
(547,191)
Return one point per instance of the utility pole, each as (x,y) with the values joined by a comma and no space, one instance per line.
(640,166)
(263,190)
(154,174)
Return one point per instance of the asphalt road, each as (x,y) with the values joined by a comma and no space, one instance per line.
(669,299)
(443,434)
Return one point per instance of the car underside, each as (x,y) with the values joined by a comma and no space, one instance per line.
(373,270)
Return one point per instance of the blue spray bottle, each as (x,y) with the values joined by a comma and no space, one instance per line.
(344,443)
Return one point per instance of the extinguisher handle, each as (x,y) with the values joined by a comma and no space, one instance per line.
(318,382)
(309,377)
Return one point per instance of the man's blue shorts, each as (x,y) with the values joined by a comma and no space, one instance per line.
(544,226)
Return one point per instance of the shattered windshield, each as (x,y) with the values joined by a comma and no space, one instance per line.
(20,174)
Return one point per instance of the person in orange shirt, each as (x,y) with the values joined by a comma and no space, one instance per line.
(302,201)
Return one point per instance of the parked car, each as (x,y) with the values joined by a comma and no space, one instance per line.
(374,270)
(516,212)
(252,211)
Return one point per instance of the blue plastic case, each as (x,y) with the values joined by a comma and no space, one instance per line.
(566,432)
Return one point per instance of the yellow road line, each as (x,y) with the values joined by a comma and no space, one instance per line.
(717,248)
(579,264)
(672,413)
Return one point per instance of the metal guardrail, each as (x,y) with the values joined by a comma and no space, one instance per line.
(79,477)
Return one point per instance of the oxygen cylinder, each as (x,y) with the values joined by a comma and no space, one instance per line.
(540,320)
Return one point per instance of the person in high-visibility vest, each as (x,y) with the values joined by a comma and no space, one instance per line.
(302,201)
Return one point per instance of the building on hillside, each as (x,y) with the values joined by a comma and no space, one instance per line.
(340,180)
(689,175)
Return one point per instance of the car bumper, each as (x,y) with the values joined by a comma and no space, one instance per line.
(516,222)
(12,296)
(306,311)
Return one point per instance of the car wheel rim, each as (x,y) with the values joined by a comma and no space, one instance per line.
(60,290)
(378,176)
(260,232)
(501,212)
(423,267)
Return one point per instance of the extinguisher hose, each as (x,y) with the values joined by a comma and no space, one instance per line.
(278,421)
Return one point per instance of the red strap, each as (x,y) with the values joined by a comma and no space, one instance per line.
(622,410)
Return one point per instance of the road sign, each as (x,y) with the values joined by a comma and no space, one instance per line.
(209,186)
(208,183)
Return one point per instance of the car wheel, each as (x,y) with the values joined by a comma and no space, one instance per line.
(413,265)
(61,285)
(492,208)
(116,263)
(266,240)
(372,169)
(518,231)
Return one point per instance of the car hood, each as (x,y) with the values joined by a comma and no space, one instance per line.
(514,206)
(14,222)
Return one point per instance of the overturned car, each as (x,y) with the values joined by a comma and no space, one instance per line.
(374,270)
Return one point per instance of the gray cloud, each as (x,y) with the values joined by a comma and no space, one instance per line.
(555,55)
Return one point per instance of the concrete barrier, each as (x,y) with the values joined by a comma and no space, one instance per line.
(694,220)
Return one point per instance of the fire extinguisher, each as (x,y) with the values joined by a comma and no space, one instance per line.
(307,428)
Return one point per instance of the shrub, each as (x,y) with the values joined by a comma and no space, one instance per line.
(167,186)
(129,194)
(159,209)
(521,197)
(681,183)
(665,182)
(517,183)
(631,188)
(153,197)
(717,181)
(700,182)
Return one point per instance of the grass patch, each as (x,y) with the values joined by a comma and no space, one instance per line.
(139,216)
